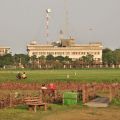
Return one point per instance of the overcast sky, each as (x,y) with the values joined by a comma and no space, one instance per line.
(22,21)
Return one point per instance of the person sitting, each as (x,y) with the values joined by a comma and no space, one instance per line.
(52,88)
(24,75)
(43,89)
(43,92)
(19,75)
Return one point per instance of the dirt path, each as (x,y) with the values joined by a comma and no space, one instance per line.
(86,114)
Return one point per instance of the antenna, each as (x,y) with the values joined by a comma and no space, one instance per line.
(47,23)
(66,29)
(61,34)
(91,32)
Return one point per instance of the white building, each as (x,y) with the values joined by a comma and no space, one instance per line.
(4,50)
(67,47)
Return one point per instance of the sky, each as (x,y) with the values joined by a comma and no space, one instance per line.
(22,21)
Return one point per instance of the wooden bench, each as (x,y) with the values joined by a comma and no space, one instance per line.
(34,102)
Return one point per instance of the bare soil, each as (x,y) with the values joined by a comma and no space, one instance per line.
(86,114)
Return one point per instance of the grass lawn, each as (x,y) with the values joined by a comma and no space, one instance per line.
(83,75)
(61,112)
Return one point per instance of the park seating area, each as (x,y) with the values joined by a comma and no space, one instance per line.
(75,93)
(34,103)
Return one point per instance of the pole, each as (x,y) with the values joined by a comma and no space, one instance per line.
(47,23)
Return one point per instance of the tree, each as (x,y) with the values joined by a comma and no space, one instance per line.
(116,55)
(50,57)
(59,58)
(42,58)
(32,61)
(21,59)
(76,63)
(88,59)
(57,65)
(6,60)
(67,59)
(49,61)
(108,57)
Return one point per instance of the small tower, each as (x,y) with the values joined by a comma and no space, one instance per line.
(47,24)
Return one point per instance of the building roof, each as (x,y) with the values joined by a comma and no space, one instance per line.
(4,47)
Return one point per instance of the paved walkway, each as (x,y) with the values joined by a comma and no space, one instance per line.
(98,102)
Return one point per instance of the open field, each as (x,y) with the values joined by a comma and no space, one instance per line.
(83,75)
(59,112)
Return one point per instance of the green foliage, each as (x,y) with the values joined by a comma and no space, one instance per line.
(111,57)
(57,65)
(116,101)
(88,59)
(116,55)
(21,58)
(108,57)
(6,60)
(42,57)
(59,58)
(67,59)
(49,57)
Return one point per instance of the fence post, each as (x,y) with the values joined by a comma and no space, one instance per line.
(10,100)
(94,89)
(84,93)
(110,93)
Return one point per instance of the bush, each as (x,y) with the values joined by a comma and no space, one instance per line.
(116,101)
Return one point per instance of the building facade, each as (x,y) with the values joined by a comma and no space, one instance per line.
(66,47)
(4,51)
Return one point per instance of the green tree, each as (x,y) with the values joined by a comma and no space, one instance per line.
(87,60)
(59,58)
(50,57)
(6,60)
(76,63)
(57,65)
(107,56)
(67,59)
(116,55)
(21,58)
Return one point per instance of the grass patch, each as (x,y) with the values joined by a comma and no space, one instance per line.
(116,102)
(82,75)
(21,112)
